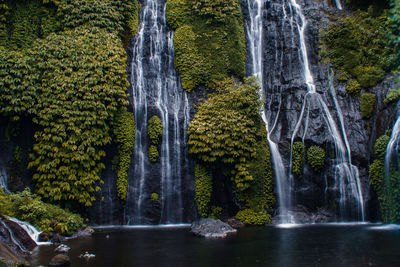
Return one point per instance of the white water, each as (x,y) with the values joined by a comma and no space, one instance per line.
(346,174)
(254,31)
(392,147)
(4,179)
(338,4)
(157,90)
(30,230)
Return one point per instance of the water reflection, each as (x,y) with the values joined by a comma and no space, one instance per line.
(313,245)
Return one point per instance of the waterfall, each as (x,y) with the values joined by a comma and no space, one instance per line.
(157,91)
(393,146)
(4,180)
(338,4)
(346,176)
(254,33)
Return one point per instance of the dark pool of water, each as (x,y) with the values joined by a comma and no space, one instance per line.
(317,245)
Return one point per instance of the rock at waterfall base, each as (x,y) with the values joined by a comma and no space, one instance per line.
(211,228)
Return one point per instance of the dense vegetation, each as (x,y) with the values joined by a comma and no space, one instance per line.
(386,185)
(228,137)
(46,217)
(68,75)
(209,40)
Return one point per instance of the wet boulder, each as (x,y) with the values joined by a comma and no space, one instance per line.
(212,228)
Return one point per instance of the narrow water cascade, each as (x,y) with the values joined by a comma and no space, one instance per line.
(392,147)
(338,4)
(254,33)
(4,180)
(30,230)
(346,176)
(157,91)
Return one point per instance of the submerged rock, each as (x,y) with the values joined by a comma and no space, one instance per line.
(211,228)
(86,232)
(60,260)
(87,256)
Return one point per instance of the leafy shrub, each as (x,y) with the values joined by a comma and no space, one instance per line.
(46,217)
(82,83)
(377,174)
(124,127)
(225,130)
(209,40)
(367,105)
(216,212)
(154,197)
(251,217)
(298,155)
(353,87)
(393,96)
(380,146)
(316,157)
(153,153)
(359,45)
(155,130)
(203,190)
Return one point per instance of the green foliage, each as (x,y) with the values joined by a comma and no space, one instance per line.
(359,45)
(225,130)
(203,190)
(298,155)
(377,174)
(153,153)
(260,195)
(82,83)
(394,24)
(216,212)
(155,130)
(124,131)
(154,197)
(380,146)
(17,80)
(46,217)
(393,96)
(110,15)
(316,157)
(209,40)
(367,104)
(251,217)
(353,87)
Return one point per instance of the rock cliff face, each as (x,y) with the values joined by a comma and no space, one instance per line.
(285,90)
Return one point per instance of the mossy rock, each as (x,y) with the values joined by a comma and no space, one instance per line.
(153,153)
(155,129)
(251,217)
(298,156)
(203,190)
(353,87)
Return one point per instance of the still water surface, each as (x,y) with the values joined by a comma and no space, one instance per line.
(313,245)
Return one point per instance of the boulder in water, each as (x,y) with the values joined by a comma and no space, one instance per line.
(211,228)
(62,249)
(60,260)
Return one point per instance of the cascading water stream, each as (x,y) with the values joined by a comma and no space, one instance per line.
(254,30)
(157,91)
(4,180)
(338,4)
(393,147)
(346,175)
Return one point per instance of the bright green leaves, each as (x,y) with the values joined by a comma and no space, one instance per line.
(82,83)
(251,217)
(209,40)
(203,190)
(155,131)
(316,157)
(359,45)
(46,217)
(367,104)
(298,156)
(124,131)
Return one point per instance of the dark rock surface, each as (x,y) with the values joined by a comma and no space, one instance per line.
(15,243)
(211,228)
